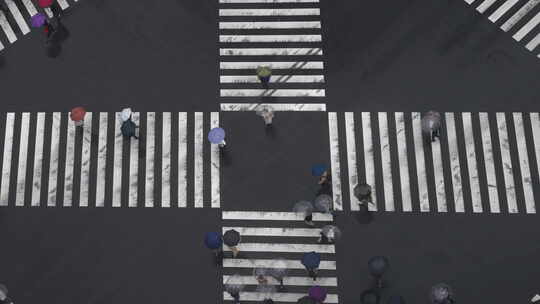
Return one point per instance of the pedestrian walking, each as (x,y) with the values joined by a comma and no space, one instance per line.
(213,241)
(267,114)
(267,291)
(311,261)
(261,274)
(264,73)
(323,203)
(306,208)
(217,136)
(231,238)
(129,129)
(77,115)
(442,294)
(234,285)
(370,296)
(431,125)
(377,266)
(4,295)
(325,179)
(329,234)
(279,272)
(318,294)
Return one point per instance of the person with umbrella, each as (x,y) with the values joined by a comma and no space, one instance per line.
(231,238)
(311,261)
(264,73)
(266,290)
(431,125)
(213,241)
(129,129)
(317,293)
(279,272)
(126,114)
(377,266)
(3,295)
(261,274)
(323,203)
(77,115)
(217,136)
(325,179)
(442,294)
(329,234)
(370,296)
(267,114)
(53,5)
(306,208)
(234,285)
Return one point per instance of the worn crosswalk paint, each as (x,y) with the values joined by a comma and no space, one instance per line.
(351,159)
(6,27)
(269,12)
(259,25)
(403,162)
(133,195)
(54,159)
(38,159)
(274,79)
(272,92)
(272,216)
(215,164)
(269,263)
(522,12)
(85,160)
(438,171)
(166,160)
(489,163)
(291,65)
(334,161)
(420,162)
(287,281)
(6,163)
(278,297)
(386,162)
(23,160)
(508,174)
(472,165)
(524,163)
(69,164)
(269,38)
(271,52)
(182,159)
(150,158)
(369,160)
(310,107)
(21,22)
(269,231)
(101,159)
(199,134)
(117,167)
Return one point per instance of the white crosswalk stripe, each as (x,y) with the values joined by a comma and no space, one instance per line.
(259,32)
(89,161)
(522,22)
(473,175)
(262,247)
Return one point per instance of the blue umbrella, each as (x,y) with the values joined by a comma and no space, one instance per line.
(216,135)
(213,240)
(311,260)
(318,170)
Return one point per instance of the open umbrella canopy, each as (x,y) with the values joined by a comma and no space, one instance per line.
(303,207)
(38,20)
(125,115)
(78,113)
(213,240)
(128,128)
(45,3)
(440,293)
(362,189)
(318,169)
(231,237)
(306,300)
(378,265)
(234,284)
(216,135)
(323,203)
(431,121)
(279,268)
(318,293)
(311,260)
(331,232)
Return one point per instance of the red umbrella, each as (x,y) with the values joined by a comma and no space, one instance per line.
(45,3)
(78,113)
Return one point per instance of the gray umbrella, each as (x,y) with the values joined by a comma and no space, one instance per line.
(266,290)
(440,293)
(261,272)
(431,121)
(331,232)
(362,189)
(304,207)
(234,284)
(323,203)
(279,269)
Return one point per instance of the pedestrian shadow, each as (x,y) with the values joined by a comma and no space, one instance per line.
(270,132)
(53,49)
(2,61)
(364,216)
(225,156)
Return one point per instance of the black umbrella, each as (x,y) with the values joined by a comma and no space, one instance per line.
(378,265)
(362,190)
(306,300)
(231,238)
(128,128)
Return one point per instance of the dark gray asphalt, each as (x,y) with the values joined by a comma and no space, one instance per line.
(162,56)
(108,255)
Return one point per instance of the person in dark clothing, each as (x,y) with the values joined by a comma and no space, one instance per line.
(325,183)
(3,295)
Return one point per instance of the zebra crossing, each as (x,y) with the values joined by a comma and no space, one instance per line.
(518,17)
(267,236)
(21,17)
(483,163)
(282,34)
(48,161)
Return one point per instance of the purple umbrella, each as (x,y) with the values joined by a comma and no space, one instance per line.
(318,293)
(216,135)
(38,20)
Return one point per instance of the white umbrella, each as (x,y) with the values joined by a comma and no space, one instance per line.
(125,115)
